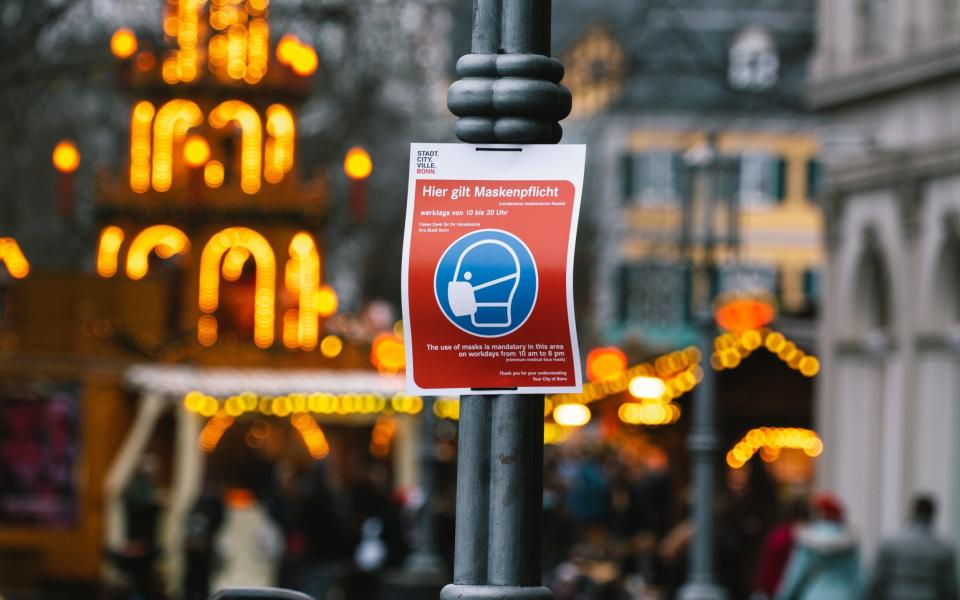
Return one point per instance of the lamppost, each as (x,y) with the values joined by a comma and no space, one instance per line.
(508,93)
(698,245)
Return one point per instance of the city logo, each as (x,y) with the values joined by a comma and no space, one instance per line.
(427,162)
(486,283)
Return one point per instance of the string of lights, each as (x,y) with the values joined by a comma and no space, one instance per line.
(732,348)
(317,403)
(769,441)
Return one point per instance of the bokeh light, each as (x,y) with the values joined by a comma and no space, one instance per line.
(66,157)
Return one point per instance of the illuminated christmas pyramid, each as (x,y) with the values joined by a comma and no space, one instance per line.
(211,200)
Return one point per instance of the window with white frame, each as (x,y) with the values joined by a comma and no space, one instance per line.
(658,177)
(760,181)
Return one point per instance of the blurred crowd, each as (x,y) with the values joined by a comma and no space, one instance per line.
(329,534)
(607,538)
(613,529)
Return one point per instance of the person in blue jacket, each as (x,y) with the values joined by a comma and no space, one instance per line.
(825,563)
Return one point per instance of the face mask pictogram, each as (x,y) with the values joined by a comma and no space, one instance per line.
(486,283)
(462,291)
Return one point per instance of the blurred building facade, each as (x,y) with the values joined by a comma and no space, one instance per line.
(652,83)
(886,78)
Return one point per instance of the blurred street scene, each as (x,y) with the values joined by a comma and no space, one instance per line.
(201,347)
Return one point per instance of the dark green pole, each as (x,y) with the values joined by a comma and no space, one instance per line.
(508,93)
(703,439)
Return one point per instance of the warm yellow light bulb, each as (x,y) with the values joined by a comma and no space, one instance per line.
(357,163)
(66,157)
(331,346)
(196,151)
(287,48)
(213,174)
(647,387)
(388,353)
(123,43)
(571,415)
(809,366)
(304,61)
(326,301)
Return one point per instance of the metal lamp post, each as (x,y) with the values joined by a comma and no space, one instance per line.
(508,93)
(698,237)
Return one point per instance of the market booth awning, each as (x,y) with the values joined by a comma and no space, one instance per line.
(221,382)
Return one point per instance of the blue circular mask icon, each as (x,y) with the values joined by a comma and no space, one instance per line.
(486,283)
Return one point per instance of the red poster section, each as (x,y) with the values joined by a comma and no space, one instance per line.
(539,354)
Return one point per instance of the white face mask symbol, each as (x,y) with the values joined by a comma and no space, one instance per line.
(462,291)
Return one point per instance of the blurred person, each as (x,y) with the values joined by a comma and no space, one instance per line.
(142,502)
(589,499)
(654,492)
(777,547)
(283,504)
(249,543)
(328,541)
(375,525)
(674,550)
(915,565)
(203,523)
(825,562)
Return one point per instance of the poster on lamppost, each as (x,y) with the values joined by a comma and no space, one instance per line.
(487,281)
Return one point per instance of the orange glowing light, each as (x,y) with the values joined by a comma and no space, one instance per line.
(331,346)
(165,240)
(388,353)
(213,174)
(357,164)
(241,50)
(304,61)
(605,363)
(303,278)
(146,61)
(287,48)
(141,120)
(108,250)
(312,435)
(278,150)
(264,287)
(740,314)
(809,366)
(66,157)
(196,151)
(123,43)
(251,157)
(172,122)
(770,440)
(183,23)
(213,431)
(12,257)
(233,262)
(239,498)
(326,301)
